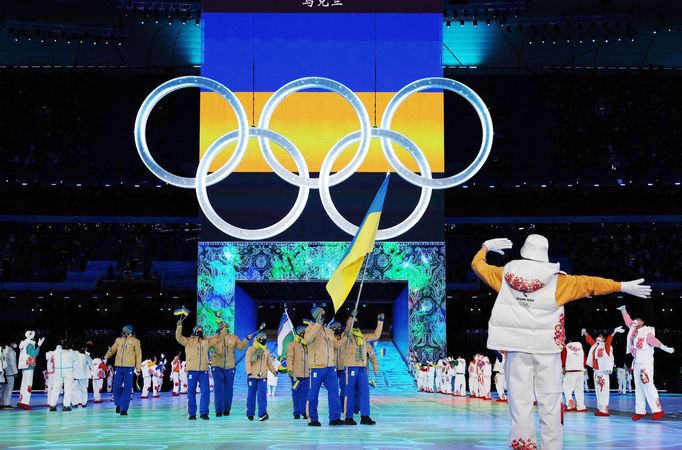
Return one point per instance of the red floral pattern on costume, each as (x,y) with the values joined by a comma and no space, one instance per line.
(640,343)
(600,353)
(601,382)
(644,376)
(521,284)
(30,361)
(560,332)
(658,404)
(523,444)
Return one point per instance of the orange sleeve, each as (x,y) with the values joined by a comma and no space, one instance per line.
(575,287)
(490,275)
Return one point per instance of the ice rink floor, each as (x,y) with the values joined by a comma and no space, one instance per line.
(404,421)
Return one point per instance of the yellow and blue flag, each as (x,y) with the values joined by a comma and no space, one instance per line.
(181,312)
(343,278)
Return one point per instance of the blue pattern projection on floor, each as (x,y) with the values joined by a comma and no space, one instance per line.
(405,420)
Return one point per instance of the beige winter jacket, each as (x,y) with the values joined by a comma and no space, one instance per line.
(128,352)
(196,350)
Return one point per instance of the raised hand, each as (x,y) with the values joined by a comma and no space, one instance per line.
(636,288)
(498,245)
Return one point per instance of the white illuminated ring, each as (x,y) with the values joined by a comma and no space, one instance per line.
(243,233)
(165,89)
(321,83)
(471,97)
(303,180)
(325,183)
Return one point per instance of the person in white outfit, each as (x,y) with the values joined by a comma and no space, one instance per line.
(640,343)
(527,320)
(473,377)
(272,379)
(460,377)
(157,377)
(28,351)
(600,358)
(9,356)
(148,366)
(498,368)
(628,377)
(110,378)
(183,378)
(620,376)
(64,360)
(98,375)
(485,374)
(82,368)
(573,360)
(48,373)
(175,375)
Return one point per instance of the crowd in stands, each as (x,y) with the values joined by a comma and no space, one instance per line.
(563,127)
(47,251)
(78,125)
(612,250)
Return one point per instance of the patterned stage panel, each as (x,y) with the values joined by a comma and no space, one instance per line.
(420,264)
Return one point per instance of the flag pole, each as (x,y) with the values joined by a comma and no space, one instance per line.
(357,300)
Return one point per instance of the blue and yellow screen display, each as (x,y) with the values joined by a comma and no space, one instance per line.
(374,54)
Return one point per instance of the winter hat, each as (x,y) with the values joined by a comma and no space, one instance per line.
(300,329)
(128,329)
(536,248)
(316,312)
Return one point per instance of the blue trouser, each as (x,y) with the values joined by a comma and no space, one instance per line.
(318,377)
(223,381)
(123,387)
(201,377)
(300,396)
(341,375)
(257,390)
(357,377)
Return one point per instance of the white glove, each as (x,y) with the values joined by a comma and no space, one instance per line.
(667,349)
(40,341)
(498,245)
(621,307)
(636,288)
(618,330)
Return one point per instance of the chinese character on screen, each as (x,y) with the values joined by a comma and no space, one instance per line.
(324,3)
(308,3)
(337,3)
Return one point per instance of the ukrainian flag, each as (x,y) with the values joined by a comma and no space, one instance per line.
(343,278)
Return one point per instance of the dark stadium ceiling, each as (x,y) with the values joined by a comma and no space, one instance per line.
(484,34)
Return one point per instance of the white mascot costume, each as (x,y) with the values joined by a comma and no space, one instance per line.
(460,377)
(28,350)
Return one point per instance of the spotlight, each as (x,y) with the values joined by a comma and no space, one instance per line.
(461,22)
(655,30)
(487,22)
(447,24)
(475,22)
(197,22)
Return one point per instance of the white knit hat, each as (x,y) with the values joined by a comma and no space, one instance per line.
(536,248)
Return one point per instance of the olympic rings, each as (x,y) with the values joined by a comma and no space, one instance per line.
(483,114)
(334,214)
(303,181)
(243,233)
(307,83)
(173,85)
